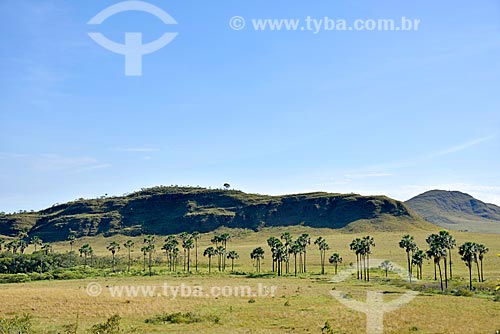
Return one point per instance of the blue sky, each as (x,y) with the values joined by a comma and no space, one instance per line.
(273,112)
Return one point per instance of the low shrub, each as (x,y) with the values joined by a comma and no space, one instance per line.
(461,292)
(181,318)
(111,326)
(16,325)
(14,278)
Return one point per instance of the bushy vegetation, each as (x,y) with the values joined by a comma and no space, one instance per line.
(110,326)
(182,318)
(16,325)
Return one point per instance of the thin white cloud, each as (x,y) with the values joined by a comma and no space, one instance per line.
(55,162)
(136,149)
(366,175)
(461,147)
(91,168)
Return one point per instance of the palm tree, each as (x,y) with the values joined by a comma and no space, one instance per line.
(335,259)
(196,236)
(14,245)
(46,248)
(210,252)
(273,243)
(71,240)
(409,245)
(437,252)
(449,243)
(215,240)
(144,250)
(440,241)
(85,250)
(113,247)
(36,241)
(189,244)
(280,255)
(170,247)
(287,238)
(303,241)
(22,245)
(482,250)
(431,239)
(295,249)
(129,244)
(184,236)
(224,238)
(417,260)
(257,255)
(149,242)
(323,247)
(386,265)
(355,246)
(368,243)
(468,253)
(221,252)
(232,255)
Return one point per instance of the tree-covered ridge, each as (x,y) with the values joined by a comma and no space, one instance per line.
(168,210)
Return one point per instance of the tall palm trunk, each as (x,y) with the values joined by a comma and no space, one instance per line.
(295,263)
(435,275)
(470,275)
(189,258)
(184,259)
(368,267)
(482,274)
(440,275)
(409,264)
(300,262)
(129,259)
(196,255)
(357,266)
(305,261)
(445,273)
(478,272)
(451,270)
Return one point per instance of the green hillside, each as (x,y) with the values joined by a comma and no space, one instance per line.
(456,210)
(168,210)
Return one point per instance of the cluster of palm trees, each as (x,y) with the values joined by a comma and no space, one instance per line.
(21,242)
(219,250)
(439,250)
(362,247)
(86,251)
(282,248)
(473,252)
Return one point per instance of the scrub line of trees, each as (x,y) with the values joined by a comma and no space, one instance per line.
(287,254)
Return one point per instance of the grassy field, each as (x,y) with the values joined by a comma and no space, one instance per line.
(299,305)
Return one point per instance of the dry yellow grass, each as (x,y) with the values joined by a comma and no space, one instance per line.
(301,305)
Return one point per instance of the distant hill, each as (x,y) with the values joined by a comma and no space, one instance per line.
(456,210)
(169,210)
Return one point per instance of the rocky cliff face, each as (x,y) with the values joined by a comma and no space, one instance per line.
(170,210)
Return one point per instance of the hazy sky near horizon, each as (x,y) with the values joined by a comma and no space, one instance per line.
(272,112)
